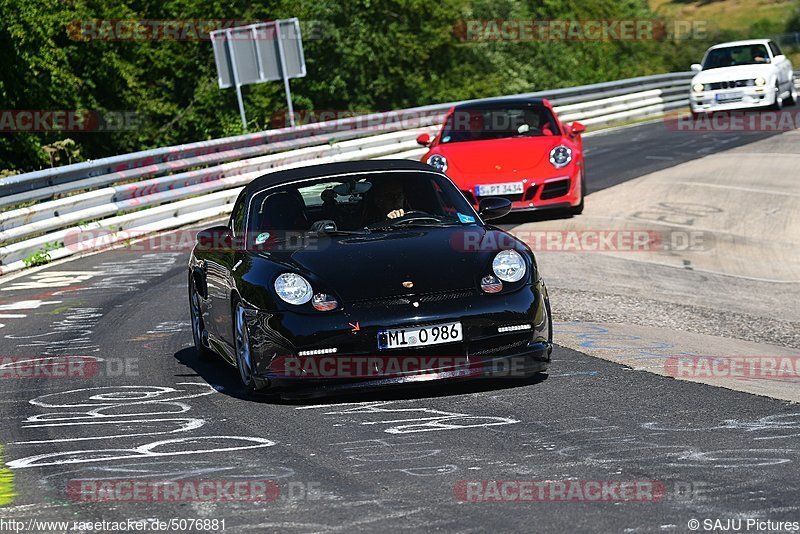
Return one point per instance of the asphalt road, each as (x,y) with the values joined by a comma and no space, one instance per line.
(140,405)
(616,156)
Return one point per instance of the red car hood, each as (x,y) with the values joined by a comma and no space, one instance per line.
(514,153)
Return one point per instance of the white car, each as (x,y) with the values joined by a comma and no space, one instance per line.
(741,75)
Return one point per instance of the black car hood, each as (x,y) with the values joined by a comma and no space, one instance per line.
(375,265)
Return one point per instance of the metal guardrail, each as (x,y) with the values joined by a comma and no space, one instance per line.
(162,160)
(104,189)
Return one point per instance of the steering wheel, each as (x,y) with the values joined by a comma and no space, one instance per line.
(409,216)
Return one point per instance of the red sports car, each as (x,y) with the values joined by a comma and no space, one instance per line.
(511,148)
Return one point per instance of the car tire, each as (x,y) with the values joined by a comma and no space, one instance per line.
(577,210)
(549,326)
(778,104)
(241,341)
(198,326)
(792,100)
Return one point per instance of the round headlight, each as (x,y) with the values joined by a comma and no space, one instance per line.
(761,81)
(509,266)
(560,156)
(698,87)
(293,288)
(438,162)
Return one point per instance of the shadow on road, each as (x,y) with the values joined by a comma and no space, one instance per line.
(225,379)
(516,218)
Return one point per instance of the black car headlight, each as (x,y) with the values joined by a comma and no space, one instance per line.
(293,288)
(509,266)
(560,156)
(438,162)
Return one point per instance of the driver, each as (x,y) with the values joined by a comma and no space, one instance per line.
(757,53)
(386,201)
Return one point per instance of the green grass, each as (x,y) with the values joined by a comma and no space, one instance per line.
(41,256)
(6,483)
(751,18)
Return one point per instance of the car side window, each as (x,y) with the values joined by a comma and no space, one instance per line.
(776,51)
(236,221)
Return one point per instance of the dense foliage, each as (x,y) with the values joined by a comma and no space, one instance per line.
(362,55)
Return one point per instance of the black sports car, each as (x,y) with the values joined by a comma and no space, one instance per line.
(361,274)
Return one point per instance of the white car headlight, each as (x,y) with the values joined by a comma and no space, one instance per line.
(698,87)
(293,288)
(560,156)
(509,266)
(761,81)
(438,162)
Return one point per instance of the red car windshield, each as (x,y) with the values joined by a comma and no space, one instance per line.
(498,122)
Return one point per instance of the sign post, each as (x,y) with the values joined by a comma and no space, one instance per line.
(263,52)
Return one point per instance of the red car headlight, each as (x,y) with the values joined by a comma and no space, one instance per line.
(560,156)
(438,162)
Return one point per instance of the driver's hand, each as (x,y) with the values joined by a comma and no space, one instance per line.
(395,214)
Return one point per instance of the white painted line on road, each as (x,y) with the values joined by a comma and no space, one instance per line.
(32,270)
(708,271)
(762,154)
(745,189)
(341,404)
(674,225)
(27,304)
(623,127)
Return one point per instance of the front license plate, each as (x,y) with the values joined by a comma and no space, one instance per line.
(510,188)
(396,338)
(729,97)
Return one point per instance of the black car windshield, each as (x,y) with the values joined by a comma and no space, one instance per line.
(377,200)
(499,121)
(730,56)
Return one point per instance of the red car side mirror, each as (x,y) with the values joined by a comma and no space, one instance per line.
(576,128)
(424,139)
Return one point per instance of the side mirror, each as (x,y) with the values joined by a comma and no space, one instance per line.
(577,128)
(218,238)
(493,208)
(424,139)
(696,67)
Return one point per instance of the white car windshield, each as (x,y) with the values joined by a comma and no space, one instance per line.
(730,56)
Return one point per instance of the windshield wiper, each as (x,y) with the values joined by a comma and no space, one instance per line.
(340,232)
(415,224)
(432,224)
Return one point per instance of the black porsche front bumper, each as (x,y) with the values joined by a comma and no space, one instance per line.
(520,349)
